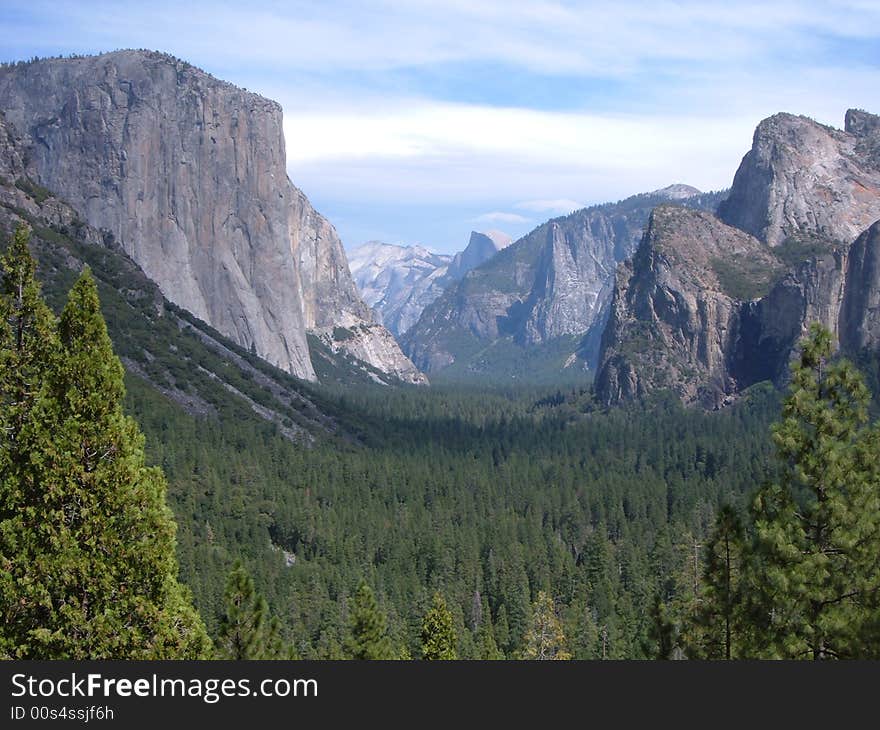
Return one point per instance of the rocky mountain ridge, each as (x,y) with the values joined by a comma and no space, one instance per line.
(799,198)
(543,297)
(398,282)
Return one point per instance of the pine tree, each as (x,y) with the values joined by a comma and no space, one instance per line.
(438,632)
(86,538)
(662,631)
(488,646)
(715,629)
(368,631)
(814,579)
(585,633)
(544,638)
(502,631)
(246,629)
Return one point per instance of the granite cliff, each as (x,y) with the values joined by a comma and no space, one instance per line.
(803,179)
(541,301)
(186,174)
(708,310)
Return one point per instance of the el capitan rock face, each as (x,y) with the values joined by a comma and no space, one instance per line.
(188,175)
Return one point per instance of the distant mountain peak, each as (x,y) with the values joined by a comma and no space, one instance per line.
(678,191)
(499,238)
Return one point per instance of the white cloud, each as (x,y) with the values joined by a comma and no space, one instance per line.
(643,93)
(578,37)
(501,217)
(553,161)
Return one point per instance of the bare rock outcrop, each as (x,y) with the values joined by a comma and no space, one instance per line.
(673,319)
(188,175)
(707,310)
(804,179)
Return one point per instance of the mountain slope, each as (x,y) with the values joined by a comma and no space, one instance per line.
(398,282)
(674,314)
(538,299)
(176,354)
(187,175)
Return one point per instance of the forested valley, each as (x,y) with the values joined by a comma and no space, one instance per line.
(377,522)
(487,497)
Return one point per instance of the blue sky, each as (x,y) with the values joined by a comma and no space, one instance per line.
(418,121)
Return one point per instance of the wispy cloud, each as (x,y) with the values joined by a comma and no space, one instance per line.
(501,217)
(550,36)
(551,103)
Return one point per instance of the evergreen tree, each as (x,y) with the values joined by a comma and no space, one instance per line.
(368,633)
(246,629)
(544,638)
(502,631)
(86,538)
(584,632)
(438,632)
(715,629)
(488,646)
(662,632)
(814,580)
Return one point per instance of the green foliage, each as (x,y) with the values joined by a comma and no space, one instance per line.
(453,487)
(814,578)
(718,627)
(341,334)
(743,277)
(438,632)
(37,192)
(368,633)
(86,538)
(246,629)
(545,638)
(801,247)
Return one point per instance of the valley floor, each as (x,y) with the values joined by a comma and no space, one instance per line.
(489,497)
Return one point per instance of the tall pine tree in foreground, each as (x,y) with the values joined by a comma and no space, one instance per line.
(716,628)
(368,633)
(87,563)
(813,579)
(246,629)
(545,638)
(438,632)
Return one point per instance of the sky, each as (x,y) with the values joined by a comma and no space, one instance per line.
(417,121)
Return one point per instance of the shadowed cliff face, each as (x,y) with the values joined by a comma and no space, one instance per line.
(860,315)
(770,328)
(188,175)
